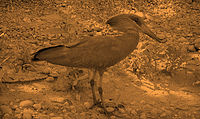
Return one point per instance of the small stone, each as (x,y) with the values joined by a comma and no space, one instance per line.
(67,104)
(143,116)
(42,116)
(6,109)
(26,19)
(58,99)
(142,101)
(56,117)
(163,114)
(27,116)
(14,107)
(133,112)
(6,116)
(49,79)
(182,39)
(98,29)
(191,48)
(18,116)
(26,103)
(110,109)
(73,109)
(113,117)
(54,74)
(78,97)
(27,113)
(51,114)
(197,40)
(17,110)
(98,34)
(37,106)
(87,105)
(121,110)
(197,46)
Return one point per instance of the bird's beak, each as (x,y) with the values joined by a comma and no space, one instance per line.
(143,28)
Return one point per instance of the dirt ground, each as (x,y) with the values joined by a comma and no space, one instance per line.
(165,87)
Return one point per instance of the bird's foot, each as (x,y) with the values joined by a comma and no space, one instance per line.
(96,103)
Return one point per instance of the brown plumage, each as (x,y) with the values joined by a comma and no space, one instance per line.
(100,52)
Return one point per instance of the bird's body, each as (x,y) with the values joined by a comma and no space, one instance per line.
(99,52)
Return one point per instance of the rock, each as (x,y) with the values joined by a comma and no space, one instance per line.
(98,34)
(49,79)
(6,109)
(191,48)
(37,106)
(27,116)
(26,103)
(133,112)
(26,19)
(143,116)
(51,114)
(182,39)
(112,117)
(98,29)
(73,109)
(58,99)
(197,46)
(18,116)
(27,113)
(110,109)
(14,107)
(56,118)
(197,40)
(87,105)
(43,116)
(164,114)
(122,110)
(7,116)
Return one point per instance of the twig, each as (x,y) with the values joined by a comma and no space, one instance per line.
(4,60)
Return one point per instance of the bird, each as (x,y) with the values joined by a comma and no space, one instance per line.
(97,53)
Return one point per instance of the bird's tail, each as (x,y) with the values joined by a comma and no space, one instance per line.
(40,55)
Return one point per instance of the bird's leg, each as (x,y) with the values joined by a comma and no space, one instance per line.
(92,83)
(101,90)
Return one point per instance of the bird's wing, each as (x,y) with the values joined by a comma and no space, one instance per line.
(90,51)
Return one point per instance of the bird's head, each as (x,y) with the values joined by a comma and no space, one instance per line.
(131,23)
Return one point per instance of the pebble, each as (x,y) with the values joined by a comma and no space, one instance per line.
(73,109)
(51,114)
(87,105)
(56,118)
(27,113)
(191,48)
(6,109)
(122,110)
(58,99)
(42,116)
(26,103)
(110,109)
(98,33)
(37,106)
(197,46)
(7,116)
(49,79)
(113,117)
(98,29)
(182,39)
(133,112)
(143,116)
(164,114)
(67,104)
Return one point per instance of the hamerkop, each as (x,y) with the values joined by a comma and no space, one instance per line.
(99,52)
